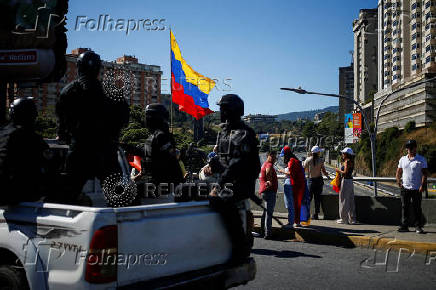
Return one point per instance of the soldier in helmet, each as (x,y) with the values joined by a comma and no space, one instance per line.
(21,154)
(238,166)
(160,164)
(90,122)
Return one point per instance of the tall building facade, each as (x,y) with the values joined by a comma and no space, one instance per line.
(146,81)
(346,88)
(365,56)
(406,50)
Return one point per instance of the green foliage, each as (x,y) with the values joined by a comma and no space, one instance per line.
(388,145)
(46,126)
(133,135)
(429,152)
(410,126)
(309,130)
(137,115)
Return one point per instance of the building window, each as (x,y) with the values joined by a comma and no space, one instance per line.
(387,73)
(387,39)
(429,15)
(415,46)
(416,15)
(428,59)
(415,5)
(388,47)
(427,38)
(415,35)
(387,56)
(415,66)
(388,22)
(387,82)
(396,58)
(395,23)
(415,55)
(396,67)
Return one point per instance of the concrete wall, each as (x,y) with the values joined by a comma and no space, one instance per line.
(369,210)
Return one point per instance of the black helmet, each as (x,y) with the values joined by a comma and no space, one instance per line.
(22,111)
(157,110)
(411,144)
(231,106)
(89,63)
(156,115)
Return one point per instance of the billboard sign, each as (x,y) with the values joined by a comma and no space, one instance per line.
(352,127)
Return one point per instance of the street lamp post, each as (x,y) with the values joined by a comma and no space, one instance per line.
(372,135)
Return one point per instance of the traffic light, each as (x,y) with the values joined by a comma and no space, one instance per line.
(32,40)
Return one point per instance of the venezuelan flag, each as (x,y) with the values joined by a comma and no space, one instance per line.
(189,88)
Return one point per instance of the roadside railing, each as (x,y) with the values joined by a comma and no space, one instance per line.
(375,179)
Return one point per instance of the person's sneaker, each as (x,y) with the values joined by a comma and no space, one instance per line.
(403,229)
(297,226)
(315,217)
(257,235)
(288,226)
(340,221)
(419,230)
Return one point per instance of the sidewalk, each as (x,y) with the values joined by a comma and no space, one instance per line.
(328,232)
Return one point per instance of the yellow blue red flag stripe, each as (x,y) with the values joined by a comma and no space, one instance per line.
(190,89)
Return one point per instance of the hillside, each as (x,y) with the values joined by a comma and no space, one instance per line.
(293,116)
(390,148)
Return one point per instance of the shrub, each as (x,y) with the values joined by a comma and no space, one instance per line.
(410,126)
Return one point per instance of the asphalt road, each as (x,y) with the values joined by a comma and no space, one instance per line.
(295,265)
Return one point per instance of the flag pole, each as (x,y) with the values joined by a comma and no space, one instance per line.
(171,85)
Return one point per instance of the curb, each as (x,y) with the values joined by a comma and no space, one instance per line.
(315,236)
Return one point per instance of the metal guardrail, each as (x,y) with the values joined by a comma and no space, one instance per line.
(374,179)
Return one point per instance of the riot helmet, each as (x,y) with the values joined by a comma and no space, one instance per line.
(156,116)
(88,64)
(22,111)
(231,108)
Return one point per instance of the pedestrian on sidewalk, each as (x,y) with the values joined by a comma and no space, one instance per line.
(268,192)
(314,165)
(412,179)
(287,186)
(347,210)
(296,176)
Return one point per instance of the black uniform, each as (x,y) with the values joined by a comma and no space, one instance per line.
(91,122)
(160,164)
(239,166)
(21,157)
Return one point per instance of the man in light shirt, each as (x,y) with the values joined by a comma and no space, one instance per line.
(412,179)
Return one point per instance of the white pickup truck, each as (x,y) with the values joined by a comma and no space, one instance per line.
(57,246)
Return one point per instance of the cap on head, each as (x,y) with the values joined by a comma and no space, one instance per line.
(232,103)
(285,150)
(348,150)
(411,144)
(316,149)
(22,111)
(89,63)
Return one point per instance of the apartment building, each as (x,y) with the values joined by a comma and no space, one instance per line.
(406,50)
(346,88)
(145,80)
(365,55)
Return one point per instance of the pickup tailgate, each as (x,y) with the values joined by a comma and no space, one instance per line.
(156,241)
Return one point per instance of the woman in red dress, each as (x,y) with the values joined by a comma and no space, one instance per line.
(298,183)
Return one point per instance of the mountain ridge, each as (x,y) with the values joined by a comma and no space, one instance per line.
(293,116)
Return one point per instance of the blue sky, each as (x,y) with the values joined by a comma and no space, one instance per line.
(255,46)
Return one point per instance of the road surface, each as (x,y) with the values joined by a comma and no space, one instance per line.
(295,265)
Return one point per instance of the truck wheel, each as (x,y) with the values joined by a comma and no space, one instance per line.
(12,278)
